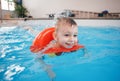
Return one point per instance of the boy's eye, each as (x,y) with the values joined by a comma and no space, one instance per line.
(75,35)
(66,35)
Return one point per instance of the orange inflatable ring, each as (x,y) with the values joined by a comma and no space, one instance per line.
(44,38)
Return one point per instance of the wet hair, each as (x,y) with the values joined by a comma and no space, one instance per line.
(65,21)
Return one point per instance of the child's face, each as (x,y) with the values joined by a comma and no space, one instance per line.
(67,36)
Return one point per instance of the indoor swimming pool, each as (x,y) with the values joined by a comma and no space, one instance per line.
(100,63)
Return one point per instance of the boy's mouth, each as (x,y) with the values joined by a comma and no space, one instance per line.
(69,44)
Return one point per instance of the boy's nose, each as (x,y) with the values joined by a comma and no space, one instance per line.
(71,39)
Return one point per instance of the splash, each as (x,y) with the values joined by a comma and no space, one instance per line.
(13,70)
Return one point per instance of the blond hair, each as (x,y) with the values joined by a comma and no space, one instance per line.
(65,21)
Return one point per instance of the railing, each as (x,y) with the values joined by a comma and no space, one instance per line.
(86,14)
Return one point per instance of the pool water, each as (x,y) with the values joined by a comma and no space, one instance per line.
(100,63)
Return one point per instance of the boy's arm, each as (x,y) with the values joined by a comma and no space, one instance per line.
(31,30)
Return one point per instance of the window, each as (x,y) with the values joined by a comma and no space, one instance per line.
(8,5)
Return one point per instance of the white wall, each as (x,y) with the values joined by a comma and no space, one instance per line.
(39,8)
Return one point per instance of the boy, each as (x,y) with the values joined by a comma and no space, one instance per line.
(64,38)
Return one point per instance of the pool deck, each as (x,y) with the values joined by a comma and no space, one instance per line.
(15,21)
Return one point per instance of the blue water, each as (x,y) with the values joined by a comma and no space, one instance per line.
(100,63)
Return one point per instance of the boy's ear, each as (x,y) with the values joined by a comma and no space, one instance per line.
(54,35)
